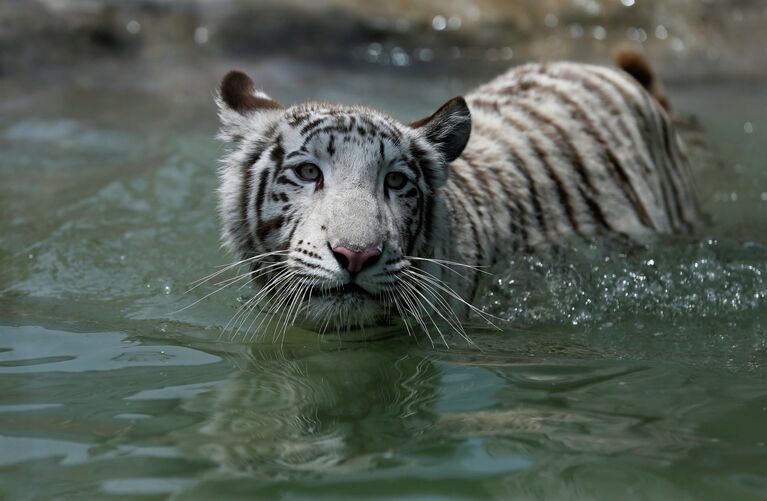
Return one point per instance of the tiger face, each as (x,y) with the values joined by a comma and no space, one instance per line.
(328,204)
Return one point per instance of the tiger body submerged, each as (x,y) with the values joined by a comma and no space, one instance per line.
(346,215)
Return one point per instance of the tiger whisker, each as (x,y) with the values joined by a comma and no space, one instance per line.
(283,306)
(299,307)
(252,303)
(402,314)
(445,262)
(439,331)
(453,322)
(277,301)
(412,305)
(202,280)
(250,274)
(423,275)
(295,299)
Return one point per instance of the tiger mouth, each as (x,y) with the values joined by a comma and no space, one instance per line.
(350,288)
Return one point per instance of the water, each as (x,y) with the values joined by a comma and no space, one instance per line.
(620,375)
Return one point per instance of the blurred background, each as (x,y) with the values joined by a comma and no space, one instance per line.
(686,38)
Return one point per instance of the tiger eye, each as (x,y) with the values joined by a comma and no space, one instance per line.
(308,172)
(395,180)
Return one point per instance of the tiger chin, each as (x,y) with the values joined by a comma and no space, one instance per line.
(346,217)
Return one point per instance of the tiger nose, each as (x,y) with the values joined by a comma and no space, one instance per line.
(356,260)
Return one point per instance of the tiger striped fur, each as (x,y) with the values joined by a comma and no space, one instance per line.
(346,215)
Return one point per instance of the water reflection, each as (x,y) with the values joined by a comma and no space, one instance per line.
(307,409)
(384,408)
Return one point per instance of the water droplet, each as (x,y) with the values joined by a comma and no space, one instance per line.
(748,128)
(575,30)
(661,33)
(439,23)
(424,54)
(628,3)
(763,196)
(454,23)
(201,35)
(373,52)
(507,53)
(399,57)
(636,35)
(375,48)
(599,32)
(551,20)
(677,45)
(133,27)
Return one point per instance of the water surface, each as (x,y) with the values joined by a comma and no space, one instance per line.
(619,375)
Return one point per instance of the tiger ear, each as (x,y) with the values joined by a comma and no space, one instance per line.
(241,106)
(239,93)
(448,129)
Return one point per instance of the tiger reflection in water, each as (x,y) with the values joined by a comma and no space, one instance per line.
(293,411)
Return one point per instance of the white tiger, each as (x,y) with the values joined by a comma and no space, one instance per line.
(348,216)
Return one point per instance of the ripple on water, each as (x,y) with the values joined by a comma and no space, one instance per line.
(39,350)
(704,301)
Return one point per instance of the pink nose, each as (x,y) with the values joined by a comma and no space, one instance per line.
(354,260)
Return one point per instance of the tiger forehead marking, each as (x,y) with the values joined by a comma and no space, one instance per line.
(346,215)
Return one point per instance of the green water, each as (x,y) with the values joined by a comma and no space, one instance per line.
(618,376)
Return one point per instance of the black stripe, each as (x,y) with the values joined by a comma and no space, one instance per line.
(307,263)
(417,232)
(464,186)
(283,179)
(477,174)
(341,129)
(615,168)
(428,218)
(564,197)
(522,167)
(260,195)
(266,227)
(669,148)
(559,137)
(286,244)
(276,156)
(293,154)
(454,199)
(247,189)
(312,125)
(641,120)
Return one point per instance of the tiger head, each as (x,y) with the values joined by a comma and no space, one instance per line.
(329,204)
